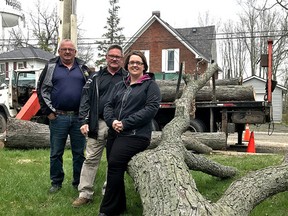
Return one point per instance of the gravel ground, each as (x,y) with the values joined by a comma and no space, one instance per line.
(279,128)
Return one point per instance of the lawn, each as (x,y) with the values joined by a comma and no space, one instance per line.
(24,184)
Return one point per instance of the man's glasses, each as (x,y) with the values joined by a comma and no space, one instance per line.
(67,49)
(135,62)
(114,57)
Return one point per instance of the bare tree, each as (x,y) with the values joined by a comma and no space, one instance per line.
(257,24)
(45,25)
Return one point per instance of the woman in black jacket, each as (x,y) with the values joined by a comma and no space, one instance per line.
(128,113)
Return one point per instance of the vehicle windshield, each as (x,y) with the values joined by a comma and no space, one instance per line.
(24,79)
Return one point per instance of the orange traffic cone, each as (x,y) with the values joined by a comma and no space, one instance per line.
(251,144)
(247,133)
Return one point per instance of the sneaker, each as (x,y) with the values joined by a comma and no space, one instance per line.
(54,188)
(80,201)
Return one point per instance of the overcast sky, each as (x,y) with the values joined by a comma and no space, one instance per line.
(133,14)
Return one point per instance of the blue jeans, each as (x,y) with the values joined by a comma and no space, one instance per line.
(60,128)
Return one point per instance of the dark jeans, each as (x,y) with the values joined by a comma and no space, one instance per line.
(119,153)
(60,128)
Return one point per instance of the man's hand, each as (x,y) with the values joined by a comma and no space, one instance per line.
(117,126)
(51,116)
(84,129)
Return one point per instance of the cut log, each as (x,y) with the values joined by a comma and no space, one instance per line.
(223,93)
(232,81)
(227,93)
(195,141)
(22,134)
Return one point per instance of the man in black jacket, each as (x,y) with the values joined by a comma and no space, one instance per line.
(94,96)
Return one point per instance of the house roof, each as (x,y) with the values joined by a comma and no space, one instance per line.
(262,80)
(200,38)
(197,39)
(26,53)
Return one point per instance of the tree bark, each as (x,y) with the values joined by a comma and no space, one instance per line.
(223,93)
(23,134)
(161,175)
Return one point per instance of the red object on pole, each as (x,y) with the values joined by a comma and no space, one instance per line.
(269,76)
(30,108)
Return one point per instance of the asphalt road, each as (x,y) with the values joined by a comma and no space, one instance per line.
(264,141)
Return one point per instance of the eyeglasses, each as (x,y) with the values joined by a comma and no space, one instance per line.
(67,49)
(114,57)
(135,62)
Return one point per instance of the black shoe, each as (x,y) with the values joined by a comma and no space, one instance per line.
(54,188)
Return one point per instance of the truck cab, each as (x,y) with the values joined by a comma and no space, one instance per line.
(20,86)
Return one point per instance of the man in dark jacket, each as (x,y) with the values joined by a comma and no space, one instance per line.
(59,92)
(94,96)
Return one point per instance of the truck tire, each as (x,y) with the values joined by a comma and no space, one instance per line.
(196,125)
(3,122)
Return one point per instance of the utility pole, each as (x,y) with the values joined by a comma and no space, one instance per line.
(68,20)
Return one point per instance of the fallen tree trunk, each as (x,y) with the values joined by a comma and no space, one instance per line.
(23,134)
(166,187)
(203,143)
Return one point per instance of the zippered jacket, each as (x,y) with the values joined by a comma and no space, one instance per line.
(45,85)
(135,105)
(95,93)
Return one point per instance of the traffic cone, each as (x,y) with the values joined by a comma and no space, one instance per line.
(247,133)
(251,144)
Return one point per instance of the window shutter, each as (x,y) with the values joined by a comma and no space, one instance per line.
(164,60)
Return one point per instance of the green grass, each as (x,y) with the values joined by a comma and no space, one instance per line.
(24,184)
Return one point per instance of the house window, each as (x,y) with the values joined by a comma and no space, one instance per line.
(170,60)
(2,68)
(20,65)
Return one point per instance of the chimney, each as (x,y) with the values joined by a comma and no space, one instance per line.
(156,13)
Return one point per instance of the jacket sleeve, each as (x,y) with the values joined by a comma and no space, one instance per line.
(85,103)
(148,112)
(44,107)
(108,114)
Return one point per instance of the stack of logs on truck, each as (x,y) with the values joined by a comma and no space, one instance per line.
(221,106)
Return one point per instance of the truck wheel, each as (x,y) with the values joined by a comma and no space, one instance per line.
(3,122)
(196,125)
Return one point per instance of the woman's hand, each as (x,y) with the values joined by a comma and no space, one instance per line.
(117,126)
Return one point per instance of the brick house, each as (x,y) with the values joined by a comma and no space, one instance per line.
(166,47)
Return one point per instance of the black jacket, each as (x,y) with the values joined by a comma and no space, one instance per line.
(95,94)
(135,106)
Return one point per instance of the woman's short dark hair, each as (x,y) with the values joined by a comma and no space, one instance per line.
(138,53)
